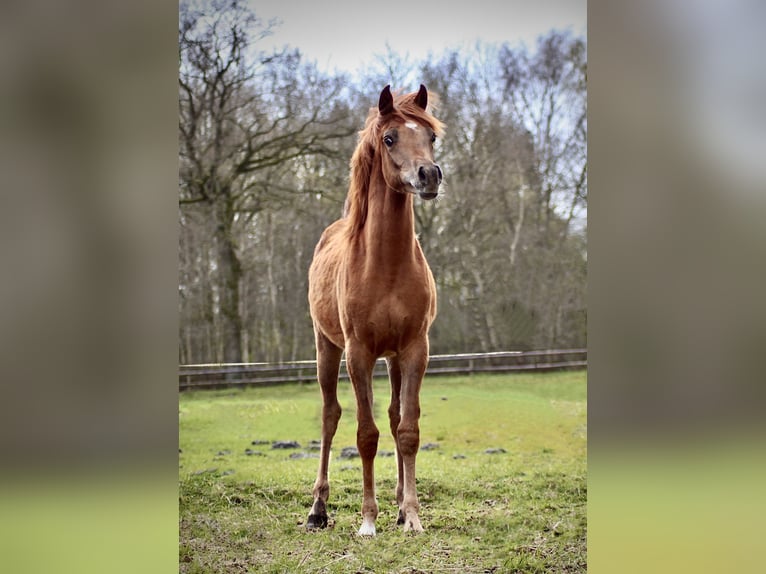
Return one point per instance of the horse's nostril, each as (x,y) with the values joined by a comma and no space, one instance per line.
(429,175)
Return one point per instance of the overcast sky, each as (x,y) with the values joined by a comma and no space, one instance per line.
(345,34)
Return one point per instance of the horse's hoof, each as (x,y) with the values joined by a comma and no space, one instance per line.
(400,519)
(412,524)
(412,527)
(316,521)
(367,528)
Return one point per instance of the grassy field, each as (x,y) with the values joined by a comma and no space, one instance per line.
(243,505)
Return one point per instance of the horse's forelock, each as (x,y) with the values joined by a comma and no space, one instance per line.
(408,109)
(405,109)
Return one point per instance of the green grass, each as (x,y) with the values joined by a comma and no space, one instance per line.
(521,511)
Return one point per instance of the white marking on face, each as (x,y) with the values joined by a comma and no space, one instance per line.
(412,125)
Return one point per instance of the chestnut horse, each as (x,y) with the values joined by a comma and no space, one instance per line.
(372,294)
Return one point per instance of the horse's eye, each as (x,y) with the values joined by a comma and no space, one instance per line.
(388,140)
(433,138)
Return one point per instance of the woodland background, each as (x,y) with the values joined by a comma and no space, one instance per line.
(265,140)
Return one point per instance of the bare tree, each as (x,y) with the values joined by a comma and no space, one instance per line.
(546,93)
(265,141)
(510,270)
(244,115)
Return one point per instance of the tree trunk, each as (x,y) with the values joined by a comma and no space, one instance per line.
(275,351)
(229,278)
(517,228)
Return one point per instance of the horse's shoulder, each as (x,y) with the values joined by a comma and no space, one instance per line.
(330,235)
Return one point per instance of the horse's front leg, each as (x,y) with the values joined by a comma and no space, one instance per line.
(328,364)
(413,366)
(360,364)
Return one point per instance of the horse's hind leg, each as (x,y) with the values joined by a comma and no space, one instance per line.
(394,417)
(328,363)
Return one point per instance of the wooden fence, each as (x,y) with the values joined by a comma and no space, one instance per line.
(218,375)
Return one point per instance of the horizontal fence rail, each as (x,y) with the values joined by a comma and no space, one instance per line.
(222,375)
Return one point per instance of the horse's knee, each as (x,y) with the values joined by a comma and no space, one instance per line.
(394,418)
(408,439)
(332,412)
(367,441)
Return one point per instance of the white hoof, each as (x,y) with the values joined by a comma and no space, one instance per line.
(367,529)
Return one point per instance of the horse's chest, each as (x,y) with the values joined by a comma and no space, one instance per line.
(389,316)
(398,312)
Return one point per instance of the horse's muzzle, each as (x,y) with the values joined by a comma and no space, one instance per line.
(429,178)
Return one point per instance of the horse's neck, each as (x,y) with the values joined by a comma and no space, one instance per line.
(389,233)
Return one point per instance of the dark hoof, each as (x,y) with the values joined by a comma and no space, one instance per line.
(400,520)
(316,521)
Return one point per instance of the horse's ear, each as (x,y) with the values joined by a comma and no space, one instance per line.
(386,102)
(422,98)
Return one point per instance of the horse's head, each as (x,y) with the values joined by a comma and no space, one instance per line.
(407,134)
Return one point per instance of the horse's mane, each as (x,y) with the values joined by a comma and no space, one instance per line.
(405,108)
